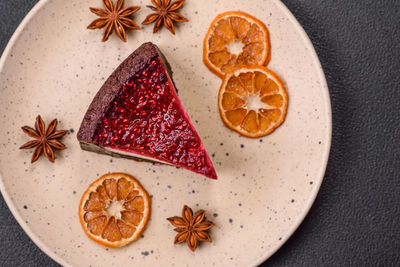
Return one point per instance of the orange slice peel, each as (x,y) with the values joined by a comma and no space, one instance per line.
(253,101)
(114,210)
(239,30)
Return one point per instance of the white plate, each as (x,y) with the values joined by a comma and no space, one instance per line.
(53,66)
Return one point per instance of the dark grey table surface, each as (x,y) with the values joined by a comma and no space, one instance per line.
(355,219)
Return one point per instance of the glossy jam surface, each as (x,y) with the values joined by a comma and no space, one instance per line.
(148,118)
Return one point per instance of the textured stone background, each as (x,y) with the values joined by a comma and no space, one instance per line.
(356,217)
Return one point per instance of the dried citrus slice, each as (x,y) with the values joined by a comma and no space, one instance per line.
(114,210)
(253,101)
(235,38)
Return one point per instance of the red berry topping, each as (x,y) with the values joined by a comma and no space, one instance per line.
(148,118)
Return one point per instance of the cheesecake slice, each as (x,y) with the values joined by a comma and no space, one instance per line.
(137,114)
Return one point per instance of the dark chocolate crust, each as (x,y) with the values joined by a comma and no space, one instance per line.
(107,93)
(100,150)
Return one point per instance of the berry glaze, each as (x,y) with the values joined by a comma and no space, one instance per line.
(147,118)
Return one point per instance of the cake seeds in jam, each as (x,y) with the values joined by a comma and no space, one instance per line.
(147,118)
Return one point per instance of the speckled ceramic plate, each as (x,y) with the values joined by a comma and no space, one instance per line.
(53,66)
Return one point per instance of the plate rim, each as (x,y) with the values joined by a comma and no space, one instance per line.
(36,240)
(328,132)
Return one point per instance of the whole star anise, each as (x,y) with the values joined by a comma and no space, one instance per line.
(46,140)
(164,14)
(114,17)
(191,228)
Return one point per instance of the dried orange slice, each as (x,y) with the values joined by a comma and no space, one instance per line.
(253,101)
(235,38)
(114,210)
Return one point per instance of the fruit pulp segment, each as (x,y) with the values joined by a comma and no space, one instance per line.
(147,118)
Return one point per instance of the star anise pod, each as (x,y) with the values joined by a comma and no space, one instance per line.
(191,228)
(164,14)
(114,17)
(46,140)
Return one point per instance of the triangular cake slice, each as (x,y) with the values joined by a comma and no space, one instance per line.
(137,114)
